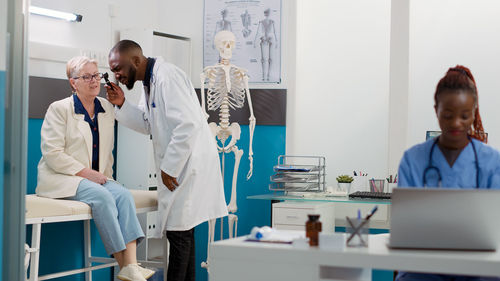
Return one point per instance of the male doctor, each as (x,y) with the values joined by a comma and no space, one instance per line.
(190,191)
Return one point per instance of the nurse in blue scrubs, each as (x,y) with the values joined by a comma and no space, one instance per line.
(459,157)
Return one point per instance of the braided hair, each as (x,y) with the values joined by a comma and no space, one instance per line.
(460,78)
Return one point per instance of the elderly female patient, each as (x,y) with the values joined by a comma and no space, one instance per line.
(77,140)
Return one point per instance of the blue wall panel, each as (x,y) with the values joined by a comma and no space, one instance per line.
(34,153)
(268,144)
(2,130)
(62,243)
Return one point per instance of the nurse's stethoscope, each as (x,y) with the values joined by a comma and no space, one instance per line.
(436,169)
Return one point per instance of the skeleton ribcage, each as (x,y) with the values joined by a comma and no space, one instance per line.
(218,91)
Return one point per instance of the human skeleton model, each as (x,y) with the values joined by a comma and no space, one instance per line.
(227,88)
(246,21)
(265,30)
(221,25)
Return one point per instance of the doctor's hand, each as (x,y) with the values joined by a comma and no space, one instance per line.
(115,95)
(92,175)
(170,182)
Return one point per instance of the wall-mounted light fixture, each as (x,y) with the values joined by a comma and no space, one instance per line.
(55,14)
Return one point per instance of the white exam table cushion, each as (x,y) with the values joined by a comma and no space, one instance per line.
(40,207)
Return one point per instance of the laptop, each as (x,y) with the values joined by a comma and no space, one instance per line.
(445,218)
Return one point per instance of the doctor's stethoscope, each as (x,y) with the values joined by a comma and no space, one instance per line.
(436,169)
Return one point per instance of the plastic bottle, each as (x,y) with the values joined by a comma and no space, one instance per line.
(259,233)
(313,228)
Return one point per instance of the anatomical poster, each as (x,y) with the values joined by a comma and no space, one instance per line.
(257,28)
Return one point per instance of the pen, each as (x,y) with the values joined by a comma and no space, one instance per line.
(372,212)
(359,214)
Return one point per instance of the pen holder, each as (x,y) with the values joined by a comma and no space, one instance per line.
(391,186)
(376,185)
(360,183)
(357,231)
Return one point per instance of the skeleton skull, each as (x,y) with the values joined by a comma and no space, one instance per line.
(225,41)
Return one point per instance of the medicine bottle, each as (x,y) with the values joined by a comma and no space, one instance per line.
(313,228)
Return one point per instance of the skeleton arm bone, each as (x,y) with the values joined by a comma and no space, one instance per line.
(257,34)
(202,93)
(275,37)
(251,127)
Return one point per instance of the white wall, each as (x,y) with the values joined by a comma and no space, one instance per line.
(445,33)
(335,58)
(97,32)
(3,33)
(398,83)
(185,18)
(342,85)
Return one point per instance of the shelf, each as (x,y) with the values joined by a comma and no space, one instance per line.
(322,197)
(299,174)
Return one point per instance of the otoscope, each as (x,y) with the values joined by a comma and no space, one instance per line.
(105,76)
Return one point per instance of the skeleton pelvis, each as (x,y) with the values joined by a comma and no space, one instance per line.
(223,134)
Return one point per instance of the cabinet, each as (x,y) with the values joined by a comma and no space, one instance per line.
(380,220)
(135,166)
(293,215)
(293,210)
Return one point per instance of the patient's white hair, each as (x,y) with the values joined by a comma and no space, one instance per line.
(75,64)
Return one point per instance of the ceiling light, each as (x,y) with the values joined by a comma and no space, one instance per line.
(55,14)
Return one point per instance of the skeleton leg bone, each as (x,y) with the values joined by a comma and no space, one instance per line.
(233,223)
(211,234)
(232,207)
(222,228)
(262,58)
(269,60)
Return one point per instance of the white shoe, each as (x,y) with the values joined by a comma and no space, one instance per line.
(130,273)
(146,272)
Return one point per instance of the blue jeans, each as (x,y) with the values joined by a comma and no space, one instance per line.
(113,210)
(410,276)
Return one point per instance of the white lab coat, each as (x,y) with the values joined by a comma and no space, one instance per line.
(184,148)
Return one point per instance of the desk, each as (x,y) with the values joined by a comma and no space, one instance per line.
(344,206)
(318,197)
(238,260)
